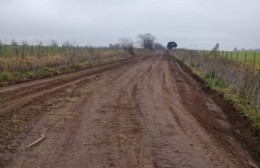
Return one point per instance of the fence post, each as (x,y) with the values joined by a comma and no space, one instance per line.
(237,57)
(254,60)
(231,56)
(245,57)
(190,59)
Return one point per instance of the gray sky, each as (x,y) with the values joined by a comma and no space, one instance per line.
(193,24)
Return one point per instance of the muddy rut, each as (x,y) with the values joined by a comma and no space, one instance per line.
(141,112)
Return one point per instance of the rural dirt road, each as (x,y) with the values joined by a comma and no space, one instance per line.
(142,112)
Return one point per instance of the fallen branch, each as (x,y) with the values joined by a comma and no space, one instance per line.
(37,141)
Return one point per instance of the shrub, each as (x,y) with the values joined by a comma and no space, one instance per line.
(5,76)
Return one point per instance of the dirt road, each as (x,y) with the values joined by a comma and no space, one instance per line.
(142,112)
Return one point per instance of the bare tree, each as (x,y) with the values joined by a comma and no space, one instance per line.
(146,41)
(158,46)
(14,43)
(111,46)
(54,43)
(115,46)
(66,44)
(127,44)
(25,43)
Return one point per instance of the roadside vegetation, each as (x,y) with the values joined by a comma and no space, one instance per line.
(20,62)
(23,62)
(238,84)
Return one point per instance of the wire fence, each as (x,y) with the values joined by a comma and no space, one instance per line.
(245,80)
(248,58)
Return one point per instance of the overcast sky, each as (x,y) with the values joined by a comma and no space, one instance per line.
(191,23)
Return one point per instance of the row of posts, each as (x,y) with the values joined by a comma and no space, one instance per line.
(234,56)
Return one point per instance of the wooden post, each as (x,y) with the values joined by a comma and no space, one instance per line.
(237,57)
(245,57)
(231,56)
(5,50)
(254,59)
(226,54)
(16,51)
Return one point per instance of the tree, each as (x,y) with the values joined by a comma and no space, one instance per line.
(66,44)
(54,43)
(25,43)
(115,46)
(111,46)
(14,43)
(171,45)
(127,45)
(125,42)
(158,46)
(146,41)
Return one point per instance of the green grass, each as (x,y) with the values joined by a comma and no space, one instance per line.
(243,57)
(230,95)
(19,63)
(12,77)
(7,77)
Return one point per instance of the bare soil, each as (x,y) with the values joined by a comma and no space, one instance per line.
(141,112)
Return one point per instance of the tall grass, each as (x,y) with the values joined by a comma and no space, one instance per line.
(20,63)
(241,83)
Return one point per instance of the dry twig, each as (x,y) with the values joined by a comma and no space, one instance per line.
(37,141)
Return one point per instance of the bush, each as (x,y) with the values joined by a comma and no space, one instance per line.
(4,76)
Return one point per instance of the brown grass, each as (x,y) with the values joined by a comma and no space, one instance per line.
(241,84)
(19,69)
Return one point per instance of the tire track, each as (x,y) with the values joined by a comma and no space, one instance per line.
(148,113)
(20,94)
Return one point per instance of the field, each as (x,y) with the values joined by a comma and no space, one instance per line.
(249,58)
(22,63)
(129,84)
(139,112)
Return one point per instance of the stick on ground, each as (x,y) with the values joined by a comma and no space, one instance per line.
(37,141)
